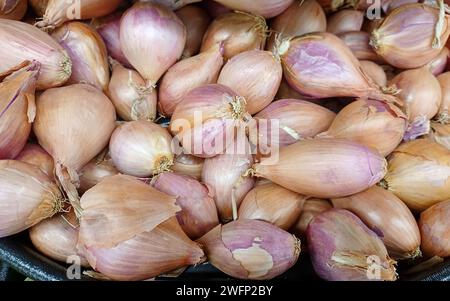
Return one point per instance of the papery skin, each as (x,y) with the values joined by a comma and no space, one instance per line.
(389,217)
(34,45)
(341,247)
(265,8)
(419,174)
(57,237)
(17,109)
(324,168)
(13,9)
(414,86)
(440,133)
(251,249)
(237,31)
(198,213)
(358,42)
(141,148)
(188,74)
(197,21)
(444,82)
(215,9)
(95,171)
(27,196)
(311,209)
(273,204)
(438,64)
(110,33)
(321,65)
(298,19)
(188,165)
(344,21)
(375,72)
(224,175)
(61,111)
(87,52)
(34,154)
(120,207)
(152,38)
(131,95)
(56,12)
(297,119)
(208,136)
(435,230)
(256,75)
(389,5)
(405,37)
(373,123)
(147,254)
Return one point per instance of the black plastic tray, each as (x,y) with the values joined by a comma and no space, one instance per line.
(16,252)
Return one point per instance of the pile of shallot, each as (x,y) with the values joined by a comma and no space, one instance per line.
(145,137)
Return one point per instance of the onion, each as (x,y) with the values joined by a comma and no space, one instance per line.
(17,109)
(439,64)
(389,217)
(311,209)
(141,149)
(196,20)
(147,255)
(303,59)
(35,155)
(389,5)
(273,204)
(345,168)
(111,216)
(132,97)
(300,18)
(435,228)
(27,196)
(206,119)
(198,213)
(188,74)
(370,25)
(96,170)
(57,237)
(358,42)
(188,165)
(256,75)
(13,9)
(58,12)
(344,21)
(418,173)
(333,5)
(87,52)
(56,66)
(226,179)
(375,72)
(172,4)
(238,32)
(39,6)
(73,124)
(132,235)
(215,9)
(251,249)
(152,38)
(343,248)
(414,86)
(444,81)
(265,8)
(372,123)
(411,36)
(297,120)
(110,33)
